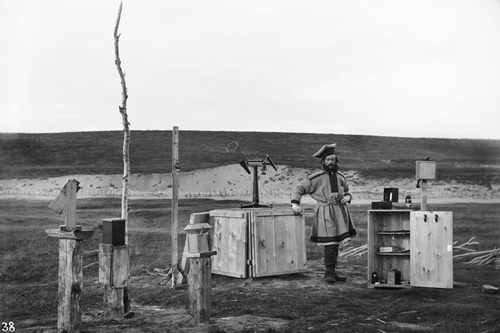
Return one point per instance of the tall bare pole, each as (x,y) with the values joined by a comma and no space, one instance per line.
(126,145)
(126,129)
(175,200)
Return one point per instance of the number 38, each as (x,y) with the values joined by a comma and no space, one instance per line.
(8,327)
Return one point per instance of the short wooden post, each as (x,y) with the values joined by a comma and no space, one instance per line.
(114,267)
(70,238)
(195,218)
(199,253)
(425,170)
(69,313)
(200,287)
(423,191)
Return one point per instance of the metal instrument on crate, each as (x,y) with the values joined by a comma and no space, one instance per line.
(234,150)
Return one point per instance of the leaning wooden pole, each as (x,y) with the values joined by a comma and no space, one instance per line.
(126,145)
(175,202)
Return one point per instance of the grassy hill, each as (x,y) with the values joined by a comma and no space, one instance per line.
(57,154)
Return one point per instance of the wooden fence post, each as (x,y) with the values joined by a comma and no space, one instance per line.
(70,238)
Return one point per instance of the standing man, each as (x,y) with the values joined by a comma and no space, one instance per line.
(332,222)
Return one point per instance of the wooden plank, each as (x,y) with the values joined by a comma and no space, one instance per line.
(71,188)
(199,218)
(218,234)
(431,252)
(232,246)
(120,267)
(263,245)
(105,264)
(291,245)
(75,234)
(70,285)
(201,254)
(279,244)
(58,204)
(274,212)
(280,247)
(300,224)
(200,289)
(237,214)
(272,261)
(229,236)
(374,261)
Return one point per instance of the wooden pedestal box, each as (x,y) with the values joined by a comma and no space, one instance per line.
(418,244)
(257,242)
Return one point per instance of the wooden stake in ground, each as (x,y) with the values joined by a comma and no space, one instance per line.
(126,143)
(175,195)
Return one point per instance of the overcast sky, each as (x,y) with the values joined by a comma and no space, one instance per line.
(378,67)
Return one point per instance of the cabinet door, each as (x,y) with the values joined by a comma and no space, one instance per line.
(277,242)
(431,249)
(229,238)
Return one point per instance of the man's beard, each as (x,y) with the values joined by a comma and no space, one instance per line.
(331,167)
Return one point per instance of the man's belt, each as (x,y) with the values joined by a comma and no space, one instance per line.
(330,202)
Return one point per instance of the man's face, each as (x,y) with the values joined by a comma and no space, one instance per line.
(330,161)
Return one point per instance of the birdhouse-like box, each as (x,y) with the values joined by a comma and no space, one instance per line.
(426,170)
(113,231)
(198,237)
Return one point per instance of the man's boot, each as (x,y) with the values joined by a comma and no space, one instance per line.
(330,262)
(335,272)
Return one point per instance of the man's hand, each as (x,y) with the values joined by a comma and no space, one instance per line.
(296,209)
(345,200)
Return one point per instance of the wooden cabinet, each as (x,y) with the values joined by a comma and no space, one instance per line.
(414,246)
(257,242)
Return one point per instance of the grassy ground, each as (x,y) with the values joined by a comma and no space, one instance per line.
(29,266)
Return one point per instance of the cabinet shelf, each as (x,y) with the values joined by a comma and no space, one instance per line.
(402,253)
(389,286)
(394,232)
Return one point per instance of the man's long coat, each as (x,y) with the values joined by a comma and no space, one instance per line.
(332,222)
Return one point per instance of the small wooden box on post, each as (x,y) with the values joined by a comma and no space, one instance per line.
(113,266)
(425,170)
(70,238)
(199,254)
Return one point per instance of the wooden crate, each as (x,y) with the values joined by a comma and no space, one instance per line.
(257,242)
